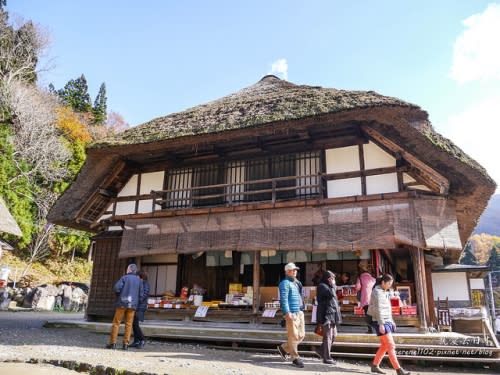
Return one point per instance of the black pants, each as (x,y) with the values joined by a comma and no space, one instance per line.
(138,335)
(368,319)
(329,335)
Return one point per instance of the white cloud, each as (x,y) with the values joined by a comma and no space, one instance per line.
(280,67)
(476,53)
(476,130)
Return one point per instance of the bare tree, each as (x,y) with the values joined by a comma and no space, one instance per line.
(116,123)
(20,49)
(37,141)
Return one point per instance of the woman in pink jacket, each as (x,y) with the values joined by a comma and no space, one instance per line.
(365,284)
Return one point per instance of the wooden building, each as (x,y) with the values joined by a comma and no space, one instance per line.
(229,191)
(7,225)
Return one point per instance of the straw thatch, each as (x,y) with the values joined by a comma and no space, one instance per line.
(7,222)
(268,101)
(272,106)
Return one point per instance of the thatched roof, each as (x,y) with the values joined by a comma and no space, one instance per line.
(268,101)
(7,222)
(271,106)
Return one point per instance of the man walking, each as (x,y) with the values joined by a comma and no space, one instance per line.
(292,305)
(128,289)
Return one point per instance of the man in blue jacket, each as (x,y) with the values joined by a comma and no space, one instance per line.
(292,304)
(127,289)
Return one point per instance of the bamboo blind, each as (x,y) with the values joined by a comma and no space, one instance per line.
(422,222)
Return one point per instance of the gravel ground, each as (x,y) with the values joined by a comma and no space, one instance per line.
(23,338)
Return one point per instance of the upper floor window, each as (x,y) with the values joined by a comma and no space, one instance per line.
(282,177)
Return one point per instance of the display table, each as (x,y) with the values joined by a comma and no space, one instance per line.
(468,320)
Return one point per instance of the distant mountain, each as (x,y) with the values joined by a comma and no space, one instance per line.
(489,221)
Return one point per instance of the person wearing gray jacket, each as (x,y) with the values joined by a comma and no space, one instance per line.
(127,289)
(381,311)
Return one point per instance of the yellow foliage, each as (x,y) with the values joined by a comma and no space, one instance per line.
(481,246)
(71,125)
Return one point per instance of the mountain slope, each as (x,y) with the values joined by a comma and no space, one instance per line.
(489,221)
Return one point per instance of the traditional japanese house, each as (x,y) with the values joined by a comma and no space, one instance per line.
(225,193)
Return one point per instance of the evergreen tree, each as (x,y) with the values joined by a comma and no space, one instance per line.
(100,106)
(468,256)
(494,260)
(75,94)
(52,89)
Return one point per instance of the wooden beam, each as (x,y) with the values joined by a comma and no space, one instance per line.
(364,173)
(361,154)
(256,282)
(439,180)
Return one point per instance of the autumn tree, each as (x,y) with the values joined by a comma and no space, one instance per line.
(42,147)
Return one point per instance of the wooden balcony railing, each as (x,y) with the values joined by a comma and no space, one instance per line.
(264,190)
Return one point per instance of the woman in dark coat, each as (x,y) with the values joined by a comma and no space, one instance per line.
(139,341)
(327,314)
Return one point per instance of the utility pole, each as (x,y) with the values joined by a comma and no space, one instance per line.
(492,302)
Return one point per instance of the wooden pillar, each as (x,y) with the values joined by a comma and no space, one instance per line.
(420,286)
(430,294)
(236,266)
(256,281)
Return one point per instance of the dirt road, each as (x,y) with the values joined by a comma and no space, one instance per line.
(22,337)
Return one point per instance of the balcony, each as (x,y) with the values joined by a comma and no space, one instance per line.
(237,193)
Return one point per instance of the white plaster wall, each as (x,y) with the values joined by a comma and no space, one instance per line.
(130,187)
(125,208)
(384,183)
(146,205)
(375,157)
(343,159)
(407,178)
(151,181)
(450,284)
(344,188)
(477,284)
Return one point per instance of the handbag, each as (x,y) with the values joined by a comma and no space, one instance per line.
(319,330)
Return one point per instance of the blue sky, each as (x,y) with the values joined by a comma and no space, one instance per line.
(159,57)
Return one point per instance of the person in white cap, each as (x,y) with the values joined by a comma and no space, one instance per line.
(292,305)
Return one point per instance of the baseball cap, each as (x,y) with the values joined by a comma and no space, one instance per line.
(132,268)
(291,266)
